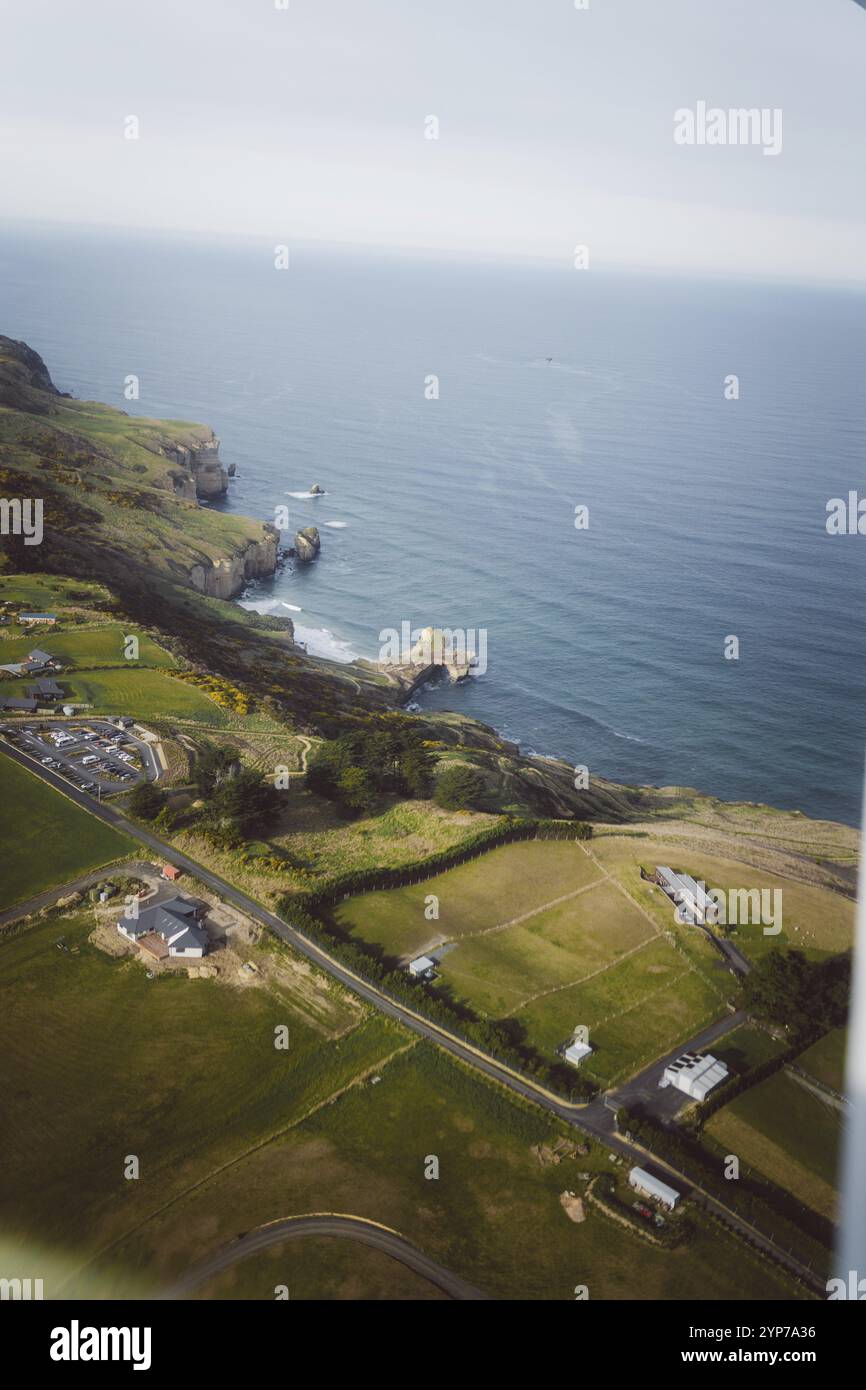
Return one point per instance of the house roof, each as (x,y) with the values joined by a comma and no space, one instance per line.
(174,919)
(193,936)
(22,617)
(44,687)
(7,703)
(38,655)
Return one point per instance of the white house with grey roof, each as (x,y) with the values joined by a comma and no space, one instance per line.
(168,929)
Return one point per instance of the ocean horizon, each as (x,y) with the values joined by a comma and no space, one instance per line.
(555,390)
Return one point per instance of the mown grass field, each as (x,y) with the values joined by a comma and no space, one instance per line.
(542,933)
(497,886)
(98,1062)
(493,1215)
(46,838)
(144,694)
(789,1134)
(86,646)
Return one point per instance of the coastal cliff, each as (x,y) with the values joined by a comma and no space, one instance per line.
(227,575)
(198,470)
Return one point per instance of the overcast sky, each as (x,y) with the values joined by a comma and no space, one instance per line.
(556,125)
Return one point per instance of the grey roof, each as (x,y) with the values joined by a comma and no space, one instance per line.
(38,655)
(44,687)
(17,704)
(166,918)
(193,936)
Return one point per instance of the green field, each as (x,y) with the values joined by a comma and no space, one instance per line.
(541,933)
(46,838)
(494,888)
(825,1060)
(97,1062)
(138,691)
(43,593)
(86,646)
(746,1047)
(493,1215)
(787,1133)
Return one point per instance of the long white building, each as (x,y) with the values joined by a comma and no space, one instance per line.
(648,1186)
(689,895)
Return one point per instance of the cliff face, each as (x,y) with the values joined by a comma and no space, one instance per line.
(25,381)
(201,473)
(227,576)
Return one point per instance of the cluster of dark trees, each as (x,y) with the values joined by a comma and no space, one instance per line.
(238,804)
(460,788)
(386,757)
(803,995)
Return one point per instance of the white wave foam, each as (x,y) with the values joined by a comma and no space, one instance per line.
(337,525)
(319,641)
(270,606)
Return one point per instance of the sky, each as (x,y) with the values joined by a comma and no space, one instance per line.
(300,120)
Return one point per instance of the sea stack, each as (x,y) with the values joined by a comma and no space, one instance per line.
(307,543)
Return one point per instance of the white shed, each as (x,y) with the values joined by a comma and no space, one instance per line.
(421,966)
(576,1053)
(648,1186)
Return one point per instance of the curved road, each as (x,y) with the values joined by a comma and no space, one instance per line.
(595,1121)
(356,1228)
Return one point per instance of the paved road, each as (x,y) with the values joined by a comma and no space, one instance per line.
(345,1227)
(586,1119)
(135,868)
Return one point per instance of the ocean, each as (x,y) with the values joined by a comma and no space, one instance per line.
(557,389)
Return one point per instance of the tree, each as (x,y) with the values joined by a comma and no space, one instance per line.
(241,806)
(356,791)
(214,765)
(784,987)
(459,788)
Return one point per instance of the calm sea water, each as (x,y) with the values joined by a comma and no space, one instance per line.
(706,516)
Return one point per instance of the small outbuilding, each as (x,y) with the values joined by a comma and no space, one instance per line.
(648,1186)
(421,967)
(170,872)
(576,1052)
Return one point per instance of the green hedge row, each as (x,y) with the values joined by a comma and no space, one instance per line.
(371,880)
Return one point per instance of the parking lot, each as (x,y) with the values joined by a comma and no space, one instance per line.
(93,754)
